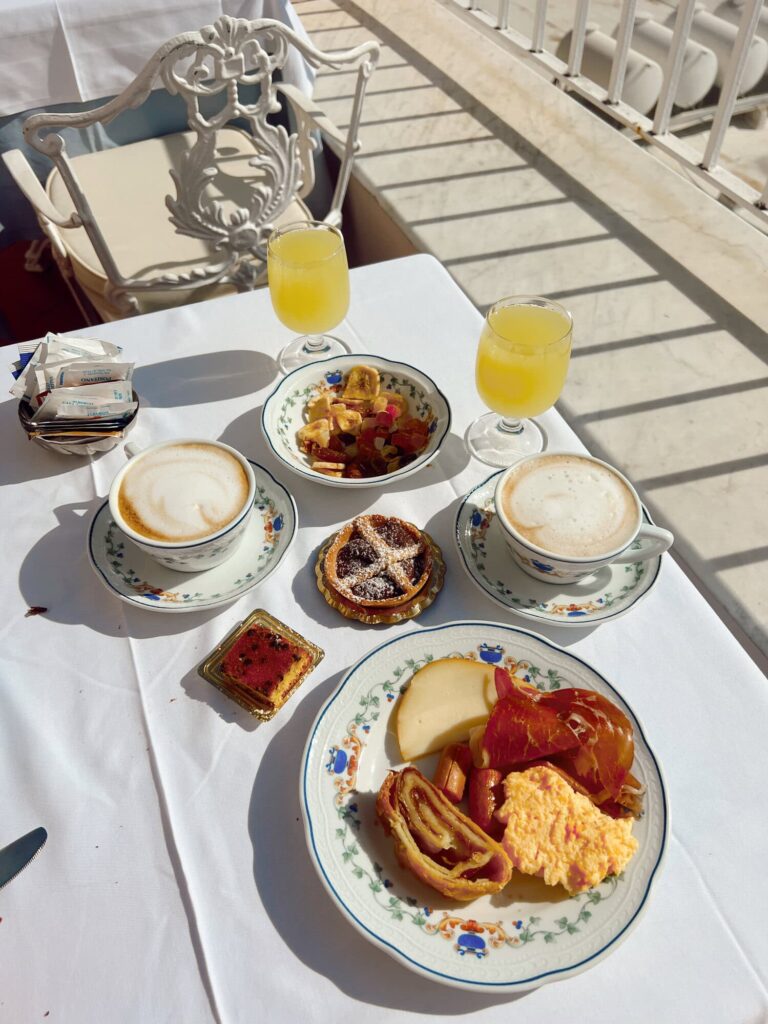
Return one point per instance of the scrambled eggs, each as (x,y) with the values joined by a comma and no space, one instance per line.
(560,835)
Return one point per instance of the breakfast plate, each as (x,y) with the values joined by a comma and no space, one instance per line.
(611,592)
(138,579)
(285,411)
(518,939)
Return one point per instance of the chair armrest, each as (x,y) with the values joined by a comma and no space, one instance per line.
(26,179)
(315,114)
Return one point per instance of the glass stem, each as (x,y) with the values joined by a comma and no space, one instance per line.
(315,343)
(509,426)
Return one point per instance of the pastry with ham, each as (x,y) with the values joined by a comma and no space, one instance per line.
(440,845)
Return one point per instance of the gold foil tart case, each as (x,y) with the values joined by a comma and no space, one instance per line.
(255,703)
(389,616)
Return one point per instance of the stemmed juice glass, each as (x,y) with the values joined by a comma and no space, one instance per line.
(309,287)
(522,361)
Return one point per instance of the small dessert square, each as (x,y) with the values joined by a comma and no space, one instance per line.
(260,663)
(266,662)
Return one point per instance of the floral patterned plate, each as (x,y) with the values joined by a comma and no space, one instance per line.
(283,412)
(519,939)
(136,578)
(484,554)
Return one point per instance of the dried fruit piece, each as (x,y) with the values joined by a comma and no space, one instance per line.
(329,454)
(319,408)
(362,382)
(394,398)
(409,442)
(347,420)
(329,468)
(318,432)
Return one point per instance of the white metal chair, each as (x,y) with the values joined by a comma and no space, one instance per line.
(107,213)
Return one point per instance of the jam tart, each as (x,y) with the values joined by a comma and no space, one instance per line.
(378,561)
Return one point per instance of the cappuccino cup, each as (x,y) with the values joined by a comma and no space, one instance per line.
(186,502)
(566,515)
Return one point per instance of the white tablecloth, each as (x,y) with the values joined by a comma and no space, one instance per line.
(68,51)
(175,885)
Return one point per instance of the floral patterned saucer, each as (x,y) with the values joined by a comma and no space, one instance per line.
(606,595)
(519,939)
(136,578)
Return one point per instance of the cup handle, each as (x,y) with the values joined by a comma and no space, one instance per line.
(654,540)
(131,449)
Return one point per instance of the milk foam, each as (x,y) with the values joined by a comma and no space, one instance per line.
(183,492)
(570,506)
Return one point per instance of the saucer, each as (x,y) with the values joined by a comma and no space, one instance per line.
(134,577)
(611,592)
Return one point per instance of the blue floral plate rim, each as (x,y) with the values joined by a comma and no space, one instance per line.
(565,614)
(267,540)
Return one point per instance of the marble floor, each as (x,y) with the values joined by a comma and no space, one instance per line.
(517,189)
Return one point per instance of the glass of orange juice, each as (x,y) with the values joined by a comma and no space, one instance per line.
(309,287)
(522,361)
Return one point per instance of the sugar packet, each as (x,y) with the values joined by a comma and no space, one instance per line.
(52,354)
(92,401)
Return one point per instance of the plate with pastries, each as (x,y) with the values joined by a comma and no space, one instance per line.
(356,420)
(484,806)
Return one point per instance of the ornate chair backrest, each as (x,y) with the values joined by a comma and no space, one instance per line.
(216,62)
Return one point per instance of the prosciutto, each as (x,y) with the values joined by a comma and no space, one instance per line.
(440,845)
(521,728)
(579,732)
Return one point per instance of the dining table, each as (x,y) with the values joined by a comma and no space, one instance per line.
(176,883)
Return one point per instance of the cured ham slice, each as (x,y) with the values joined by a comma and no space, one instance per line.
(506,684)
(520,729)
(606,742)
(586,737)
(440,845)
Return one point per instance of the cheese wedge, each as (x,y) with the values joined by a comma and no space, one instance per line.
(444,700)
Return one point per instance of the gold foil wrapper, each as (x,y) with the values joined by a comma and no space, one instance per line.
(254,702)
(383,616)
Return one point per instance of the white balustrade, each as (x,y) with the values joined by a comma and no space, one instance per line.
(646,70)
(642,77)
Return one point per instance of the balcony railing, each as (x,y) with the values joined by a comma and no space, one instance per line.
(656,126)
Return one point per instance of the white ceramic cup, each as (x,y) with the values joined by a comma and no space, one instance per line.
(187,555)
(646,541)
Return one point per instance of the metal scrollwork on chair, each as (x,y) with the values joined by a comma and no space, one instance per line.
(216,62)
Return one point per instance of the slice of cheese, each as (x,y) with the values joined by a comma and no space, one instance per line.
(444,700)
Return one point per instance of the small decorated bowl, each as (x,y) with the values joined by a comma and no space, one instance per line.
(284,412)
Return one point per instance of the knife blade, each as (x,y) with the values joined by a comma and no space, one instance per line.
(15,857)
